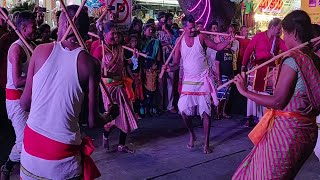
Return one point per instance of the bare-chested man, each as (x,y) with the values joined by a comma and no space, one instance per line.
(197,85)
(18,61)
(60,76)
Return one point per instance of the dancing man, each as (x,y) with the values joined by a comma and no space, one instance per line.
(18,62)
(197,85)
(60,76)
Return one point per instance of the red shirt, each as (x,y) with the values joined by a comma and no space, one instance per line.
(243,44)
(261,46)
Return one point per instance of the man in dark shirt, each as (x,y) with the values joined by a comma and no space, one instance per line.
(224,59)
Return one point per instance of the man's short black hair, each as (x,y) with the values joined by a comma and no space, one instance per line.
(187,19)
(24,18)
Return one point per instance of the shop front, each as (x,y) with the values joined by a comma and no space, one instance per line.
(265,10)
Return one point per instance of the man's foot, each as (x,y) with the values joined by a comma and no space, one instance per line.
(5,173)
(192,139)
(105,143)
(122,148)
(207,150)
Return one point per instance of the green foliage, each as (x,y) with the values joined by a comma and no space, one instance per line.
(24,6)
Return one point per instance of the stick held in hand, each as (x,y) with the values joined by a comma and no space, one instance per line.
(171,54)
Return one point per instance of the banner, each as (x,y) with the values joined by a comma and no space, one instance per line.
(313,9)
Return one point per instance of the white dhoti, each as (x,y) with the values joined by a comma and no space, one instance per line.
(254,109)
(18,118)
(196,95)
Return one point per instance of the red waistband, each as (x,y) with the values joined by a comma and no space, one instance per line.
(13,94)
(40,146)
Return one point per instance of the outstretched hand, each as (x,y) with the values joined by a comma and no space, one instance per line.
(240,81)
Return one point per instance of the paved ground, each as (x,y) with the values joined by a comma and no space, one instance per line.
(162,154)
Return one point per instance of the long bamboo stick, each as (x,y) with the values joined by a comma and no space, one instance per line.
(75,30)
(216,33)
(125,47)
(171,54)
(6,18)
(74,18)
(273,59)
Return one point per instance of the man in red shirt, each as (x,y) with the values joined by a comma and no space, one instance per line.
(263,46)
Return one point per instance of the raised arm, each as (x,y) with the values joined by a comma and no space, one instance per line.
(211,44)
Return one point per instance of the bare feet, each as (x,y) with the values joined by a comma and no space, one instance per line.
(207,150)
(193,138)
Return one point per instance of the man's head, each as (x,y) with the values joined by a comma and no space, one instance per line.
(149,30)
(244,31)
(26,24)
(44,31)
(110,33)
(2,20)
(275,27)
(169,19)
(113,17)
(161,17)
(214,27)
(82,22)
(189,26)
(39,12)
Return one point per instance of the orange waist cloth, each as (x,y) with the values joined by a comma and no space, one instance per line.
(126,81)
(266,123)
(13,94)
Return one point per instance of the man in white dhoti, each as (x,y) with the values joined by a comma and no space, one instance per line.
(197,86)
(18,62)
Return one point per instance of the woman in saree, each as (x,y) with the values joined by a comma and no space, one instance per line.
(115,89)
(287,133)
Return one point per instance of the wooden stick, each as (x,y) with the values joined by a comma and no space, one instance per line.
(125,47)
(132,50)
(273,59)
(16,30)
(220,34)
(74,18)
(171,54)
(75,30)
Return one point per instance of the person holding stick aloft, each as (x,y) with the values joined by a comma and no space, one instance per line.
(61,77)
(198,90)
(115,88)
(287,133)
(18,62)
